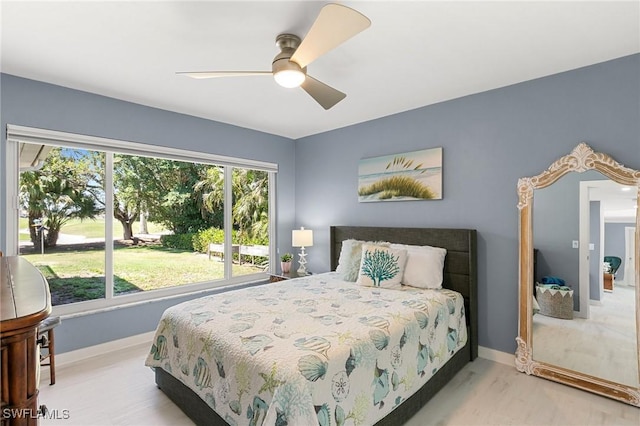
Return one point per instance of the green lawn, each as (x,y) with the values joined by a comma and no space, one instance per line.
(90,228)
(75,276)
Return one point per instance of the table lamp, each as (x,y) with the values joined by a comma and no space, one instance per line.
(302,238)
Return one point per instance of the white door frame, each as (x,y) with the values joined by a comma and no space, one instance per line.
(629,253)
(584,218)
(585,239)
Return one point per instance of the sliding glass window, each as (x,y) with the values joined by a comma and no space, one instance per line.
(108,227)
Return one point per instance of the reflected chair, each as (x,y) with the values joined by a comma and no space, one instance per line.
(614,263)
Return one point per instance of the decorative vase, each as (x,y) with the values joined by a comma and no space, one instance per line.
(286,267)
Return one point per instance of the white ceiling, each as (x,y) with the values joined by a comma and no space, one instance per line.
(414,54)
(619,202)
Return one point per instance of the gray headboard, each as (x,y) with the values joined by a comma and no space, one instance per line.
(460,265)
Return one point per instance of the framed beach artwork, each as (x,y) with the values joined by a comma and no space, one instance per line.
(408,176)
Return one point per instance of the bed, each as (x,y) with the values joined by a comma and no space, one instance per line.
(305,354)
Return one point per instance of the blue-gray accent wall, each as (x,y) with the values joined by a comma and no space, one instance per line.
(489,140)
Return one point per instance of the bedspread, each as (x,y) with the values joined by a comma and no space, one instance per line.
(314,350)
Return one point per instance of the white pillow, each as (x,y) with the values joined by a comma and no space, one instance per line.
(350,257)
(425,266)
(381,266)
(349,260)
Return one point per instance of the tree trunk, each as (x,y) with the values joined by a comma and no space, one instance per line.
(33,231)
(127,229)
(51,239)
(143,223)
(126,220)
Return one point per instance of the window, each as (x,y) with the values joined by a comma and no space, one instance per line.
(177,221)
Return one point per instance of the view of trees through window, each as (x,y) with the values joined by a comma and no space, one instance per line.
(167,223)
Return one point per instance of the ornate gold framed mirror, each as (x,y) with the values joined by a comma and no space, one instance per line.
(580,325)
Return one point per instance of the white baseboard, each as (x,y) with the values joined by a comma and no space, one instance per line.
(71,357)
(114,345)
(497,356)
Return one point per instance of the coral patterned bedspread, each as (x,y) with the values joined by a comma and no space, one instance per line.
(314,350)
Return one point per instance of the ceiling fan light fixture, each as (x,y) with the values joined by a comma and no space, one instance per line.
(334,25)
(289,78)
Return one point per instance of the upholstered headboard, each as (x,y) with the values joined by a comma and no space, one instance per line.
(460,266)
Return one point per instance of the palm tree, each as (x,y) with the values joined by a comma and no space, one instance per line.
(31,194)
(210,190)
(250,212)
(251,203)
(56,194)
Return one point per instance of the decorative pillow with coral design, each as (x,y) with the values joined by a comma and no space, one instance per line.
(381,266)
(350,257)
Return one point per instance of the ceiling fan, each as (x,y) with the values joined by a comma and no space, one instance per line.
(334,25)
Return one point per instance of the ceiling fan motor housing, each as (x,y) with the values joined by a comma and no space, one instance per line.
(334,25)
(288,43)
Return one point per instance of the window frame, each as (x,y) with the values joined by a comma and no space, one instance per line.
(17,134)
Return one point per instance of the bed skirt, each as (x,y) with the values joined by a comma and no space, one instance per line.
(201,414)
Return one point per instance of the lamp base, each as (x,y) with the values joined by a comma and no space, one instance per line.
(302,270)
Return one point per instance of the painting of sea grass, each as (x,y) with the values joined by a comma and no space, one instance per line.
(413,175)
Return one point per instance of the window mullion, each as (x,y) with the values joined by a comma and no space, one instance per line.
(108,226)
(273,220)
(228,222)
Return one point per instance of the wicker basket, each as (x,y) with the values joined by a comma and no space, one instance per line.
(555,303)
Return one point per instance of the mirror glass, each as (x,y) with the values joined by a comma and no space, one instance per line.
(579,237)
(585,317)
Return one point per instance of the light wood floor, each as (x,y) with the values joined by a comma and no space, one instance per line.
(116,389)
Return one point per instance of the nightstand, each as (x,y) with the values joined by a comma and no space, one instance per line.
(608,282)
(280,276)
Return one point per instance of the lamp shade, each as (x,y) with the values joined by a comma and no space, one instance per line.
(302,237)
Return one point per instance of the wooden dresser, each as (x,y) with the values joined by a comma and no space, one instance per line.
(24,302)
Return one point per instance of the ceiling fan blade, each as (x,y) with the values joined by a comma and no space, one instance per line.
(334,25)
(216,74)
(325,95)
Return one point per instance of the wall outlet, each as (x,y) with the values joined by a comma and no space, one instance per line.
(575,244)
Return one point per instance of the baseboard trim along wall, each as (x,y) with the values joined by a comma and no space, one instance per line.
(68,358)
(72,357)
(497,356)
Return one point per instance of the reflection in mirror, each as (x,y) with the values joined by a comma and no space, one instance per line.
(581,328)
(600,339)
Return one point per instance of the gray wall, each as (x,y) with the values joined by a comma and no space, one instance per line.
(96,328)
(614,243)
(555,226)
(489,140)
(36,104)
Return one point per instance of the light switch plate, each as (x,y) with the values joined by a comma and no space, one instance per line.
(575,244)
